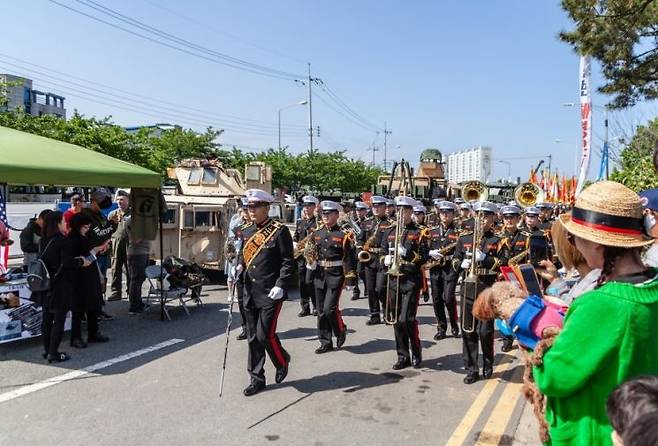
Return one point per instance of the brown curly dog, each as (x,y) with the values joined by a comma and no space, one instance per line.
(500,301)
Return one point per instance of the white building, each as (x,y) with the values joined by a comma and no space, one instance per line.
(19,93)
(470,165)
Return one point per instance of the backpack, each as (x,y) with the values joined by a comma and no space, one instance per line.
(38,277)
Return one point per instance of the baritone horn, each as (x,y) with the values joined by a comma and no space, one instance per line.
(528,194)
(474,191)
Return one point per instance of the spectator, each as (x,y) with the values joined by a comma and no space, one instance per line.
(87,296)
(643,431)
(101,231)
(77,204)
(650,202)
(138,259)
(629,402)
(57,255)
(609,332)
(119,245)
(30,237)
(572,260)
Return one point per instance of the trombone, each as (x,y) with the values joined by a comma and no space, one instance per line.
(395,270)
(470,284)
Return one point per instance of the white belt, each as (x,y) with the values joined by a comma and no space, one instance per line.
(330,263)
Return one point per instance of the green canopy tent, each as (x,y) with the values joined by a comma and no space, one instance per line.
(28,159)
(31,159)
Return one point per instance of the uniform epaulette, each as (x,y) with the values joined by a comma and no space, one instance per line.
(277,224)
(525,233)
(245,225)
(465,233)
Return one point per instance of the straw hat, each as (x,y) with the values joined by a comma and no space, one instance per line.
(608,213)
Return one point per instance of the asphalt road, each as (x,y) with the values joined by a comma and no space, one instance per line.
(160,387)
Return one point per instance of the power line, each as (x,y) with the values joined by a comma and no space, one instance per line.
(222,116)
(348,118)
(217,57)
(346,107)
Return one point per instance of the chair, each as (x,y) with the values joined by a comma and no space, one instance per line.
(167,293)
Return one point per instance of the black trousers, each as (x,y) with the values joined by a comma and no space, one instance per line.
(307,298)
(443,297)
(76,324)
(119,262)
(484,332)
(371,288)
(330,319)
(239,291)
(406,328)
(360,274)
(261,333)
(52,330)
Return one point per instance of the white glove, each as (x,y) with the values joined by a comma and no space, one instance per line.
(388,259)
(466,263)
(402,251)
(480,256)
(294,245)
(276,293)
(349,288)
(238,269)
(312,266)
(435,254)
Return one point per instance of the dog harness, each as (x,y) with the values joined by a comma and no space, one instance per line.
(532,317)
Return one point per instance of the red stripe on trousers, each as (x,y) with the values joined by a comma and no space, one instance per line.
(339,316)
(272,337)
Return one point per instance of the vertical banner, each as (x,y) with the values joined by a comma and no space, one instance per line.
(585,120)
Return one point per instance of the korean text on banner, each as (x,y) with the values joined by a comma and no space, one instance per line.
(585,120)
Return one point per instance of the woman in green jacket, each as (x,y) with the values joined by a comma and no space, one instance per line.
(610,334)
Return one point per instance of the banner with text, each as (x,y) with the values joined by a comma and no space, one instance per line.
(585,120)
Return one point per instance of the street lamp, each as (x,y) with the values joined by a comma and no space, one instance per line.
(284,108)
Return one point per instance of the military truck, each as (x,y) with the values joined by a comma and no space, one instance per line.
(201,200)
(427,182)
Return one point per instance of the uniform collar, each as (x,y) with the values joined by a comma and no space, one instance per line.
(265,222)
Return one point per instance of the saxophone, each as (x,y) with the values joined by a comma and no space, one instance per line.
(442,260)
(301,246)
(513,261)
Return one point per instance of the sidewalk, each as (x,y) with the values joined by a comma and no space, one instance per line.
(526,433)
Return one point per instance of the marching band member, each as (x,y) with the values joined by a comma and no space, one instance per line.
(487,255)
(403,289)
(465,221)
(267,261)
(419,216)
(514,242)
(443,277)
(371,235)
(390,208)
(305,226)
(335,267)
(361,210)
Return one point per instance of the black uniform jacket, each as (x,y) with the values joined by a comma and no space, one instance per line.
(415,240)
(374,226)
(489,244)
(335,245)
(271,266)
(441,237)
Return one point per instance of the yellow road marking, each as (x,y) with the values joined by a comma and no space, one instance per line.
(460,434)
(494,428)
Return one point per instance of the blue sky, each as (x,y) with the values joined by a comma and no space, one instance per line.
(450,75)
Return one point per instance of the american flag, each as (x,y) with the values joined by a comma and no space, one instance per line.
(4,231)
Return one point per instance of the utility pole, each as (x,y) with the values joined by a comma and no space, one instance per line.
(550,158)
(374,149)
(310,109)
(605,145)
(386,133)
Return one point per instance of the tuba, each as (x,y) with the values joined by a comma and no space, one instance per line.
(474,191)
(528,194)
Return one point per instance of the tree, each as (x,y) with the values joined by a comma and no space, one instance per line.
(636,166)
(622,36)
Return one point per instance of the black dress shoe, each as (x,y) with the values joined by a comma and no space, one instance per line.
(340,339)
(486,373)
(58,357)
(242,336)
(97,338)
(282,372)
(455,332)
(356,297)
(508,345)
(315,312)
(324,349)
(416,361)
(304,313)
(78,343)
(440,334)
(401,364)
(471,378)
(253,388)
(374,320)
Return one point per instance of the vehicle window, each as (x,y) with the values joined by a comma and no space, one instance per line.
(169,217)
(203,218)
(195,176)
(188,219)
(209,175)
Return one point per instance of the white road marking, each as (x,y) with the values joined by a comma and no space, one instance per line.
(22,391)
